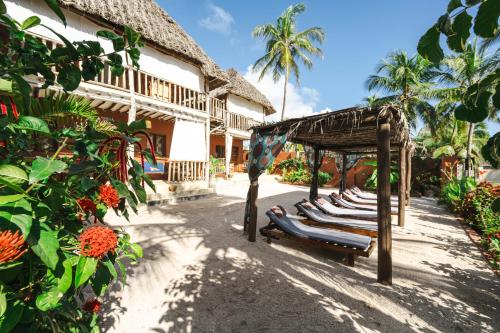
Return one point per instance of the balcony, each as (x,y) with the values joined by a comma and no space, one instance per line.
(150,86)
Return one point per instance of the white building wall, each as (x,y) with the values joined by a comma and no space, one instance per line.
(79,28)
(244,107)
(188,141)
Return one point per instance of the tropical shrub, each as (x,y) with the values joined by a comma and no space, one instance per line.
(371,182)
(215,165)
(477,211)
(453,193)
(302,176)
(62,168)
(290,164)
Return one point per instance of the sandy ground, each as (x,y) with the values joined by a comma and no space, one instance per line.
(200,274)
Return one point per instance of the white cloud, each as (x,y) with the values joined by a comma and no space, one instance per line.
(218,19)
(300,101)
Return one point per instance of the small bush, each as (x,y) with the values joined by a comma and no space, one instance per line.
(323,178)
(453,193)
(302,176)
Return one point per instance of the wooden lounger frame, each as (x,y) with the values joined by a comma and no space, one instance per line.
(354,230)
(271,231)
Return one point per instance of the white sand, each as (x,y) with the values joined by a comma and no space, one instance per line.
(200,274)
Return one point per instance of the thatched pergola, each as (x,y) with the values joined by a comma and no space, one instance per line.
(380,131)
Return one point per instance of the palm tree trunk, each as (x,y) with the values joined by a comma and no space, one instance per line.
(284,97)
(468,163)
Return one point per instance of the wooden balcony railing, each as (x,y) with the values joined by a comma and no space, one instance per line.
(240,122)
(218,109)
(180,171)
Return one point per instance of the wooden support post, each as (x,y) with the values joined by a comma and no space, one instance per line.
(402,187)
(252,225)
(343,178)
(384,271)
(313,193)
(408,176)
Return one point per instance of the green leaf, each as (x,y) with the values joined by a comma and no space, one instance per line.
(123,271)
(118,42)
(137,125)
(18,214)
(428,45)
(486,21)
(454,4)
(461,28)
(101,280)
(49,299)
(132,36)
(11,316)
(475,113)
(24,88)
(56,9)
(5,86)
(64,282)
(3,9)
(84,269)
(29,123)
(137,249)
(42,168)
(496,97)
(10,198)
(14,187)
(3,299)
(43,241)
(30,22)
(111,268)
(69,77)
(83,167)
(444,24)
(495,205)
(13,174)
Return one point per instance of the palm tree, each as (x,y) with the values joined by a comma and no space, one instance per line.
(285,47)
(458,74)
(405,80)
(451,139)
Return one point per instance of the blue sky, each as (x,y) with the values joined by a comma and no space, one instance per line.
(359,33)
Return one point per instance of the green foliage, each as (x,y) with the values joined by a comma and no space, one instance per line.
(303,177)
(371,182)
(41,189)
(216,164)
(477,210)
(491,150)
(453,193)
(291,164)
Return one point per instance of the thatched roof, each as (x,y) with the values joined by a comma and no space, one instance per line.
(352,130)
(239,86)
(156,27)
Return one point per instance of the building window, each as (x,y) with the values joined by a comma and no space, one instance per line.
(160,143)
(235,154)
(220,151)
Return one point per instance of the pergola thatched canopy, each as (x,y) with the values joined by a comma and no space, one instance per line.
(352,130)
(156,27)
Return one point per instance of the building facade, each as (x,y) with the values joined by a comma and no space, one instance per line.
(177,88)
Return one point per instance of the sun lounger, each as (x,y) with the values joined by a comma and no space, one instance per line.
(329,208)
(316,217)
(370,196)
(336,199)
(282,225)
(354,198)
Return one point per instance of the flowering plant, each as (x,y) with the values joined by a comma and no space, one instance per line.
(59,179)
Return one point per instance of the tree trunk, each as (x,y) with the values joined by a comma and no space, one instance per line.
(284,97)
(468,159)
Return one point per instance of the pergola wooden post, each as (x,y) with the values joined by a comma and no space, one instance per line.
(402,186)
(343,178)
(384,269)
(408,175)
(313,193)
(252,225)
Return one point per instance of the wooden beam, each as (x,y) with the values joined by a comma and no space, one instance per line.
(343,177)
(384,269)
(408,176)
(313,193)
(402,187)
(252,225)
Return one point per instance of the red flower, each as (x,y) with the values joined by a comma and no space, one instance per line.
(3,108)
(11,246)
(109,195)
(96,241)
(92,306)
(87,205)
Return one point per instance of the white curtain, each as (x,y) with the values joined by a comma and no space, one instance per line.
(188,141)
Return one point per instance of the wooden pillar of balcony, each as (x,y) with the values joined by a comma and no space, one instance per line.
(228,146)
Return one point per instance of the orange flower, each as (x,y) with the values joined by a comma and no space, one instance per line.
(109,195)
(87,205)
(92,306)
(96,241)
(11,246)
